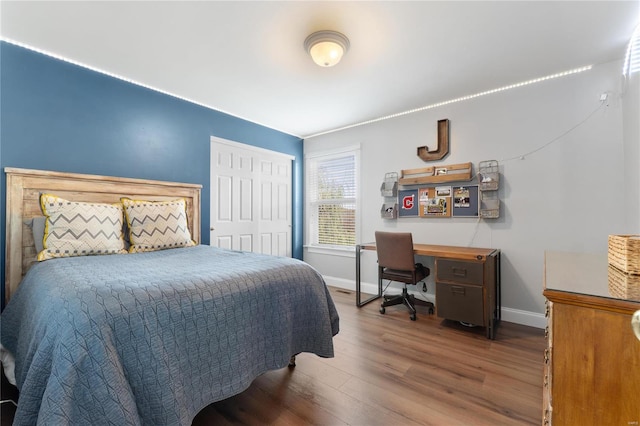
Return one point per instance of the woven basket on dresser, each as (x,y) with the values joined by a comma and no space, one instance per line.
(623,285)
(624,253)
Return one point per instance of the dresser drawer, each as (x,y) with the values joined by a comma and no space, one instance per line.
(460,303)
(459,271)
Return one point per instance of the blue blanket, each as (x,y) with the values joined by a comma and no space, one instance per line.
(152,338)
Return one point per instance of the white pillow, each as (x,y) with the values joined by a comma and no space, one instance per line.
(157,225)
(75,228)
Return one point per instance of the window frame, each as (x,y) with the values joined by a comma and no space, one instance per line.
(311,243)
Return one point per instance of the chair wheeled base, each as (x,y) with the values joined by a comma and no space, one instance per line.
(406,299)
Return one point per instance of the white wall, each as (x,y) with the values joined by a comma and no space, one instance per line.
(630,95)
(569,195)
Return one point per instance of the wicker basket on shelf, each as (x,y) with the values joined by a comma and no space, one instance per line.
(622,285)
(624,253)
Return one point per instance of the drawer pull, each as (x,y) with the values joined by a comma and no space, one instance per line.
(546,332)
(459,272)
(457,290)
(546,356)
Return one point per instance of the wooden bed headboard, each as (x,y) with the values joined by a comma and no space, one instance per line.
(23,202)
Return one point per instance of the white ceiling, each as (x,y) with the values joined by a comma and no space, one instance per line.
(247,58)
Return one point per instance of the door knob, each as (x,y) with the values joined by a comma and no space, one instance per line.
(212,228)
(635,324)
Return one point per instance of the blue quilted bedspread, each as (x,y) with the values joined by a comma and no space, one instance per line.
(152,338)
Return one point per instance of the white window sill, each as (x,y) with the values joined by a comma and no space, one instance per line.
(332,251)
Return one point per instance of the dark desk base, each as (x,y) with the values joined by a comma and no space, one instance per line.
(491,290)
(359,302)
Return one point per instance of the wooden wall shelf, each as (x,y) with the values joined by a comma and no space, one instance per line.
(436,174)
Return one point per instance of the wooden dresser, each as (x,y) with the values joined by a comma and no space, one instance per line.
(592,360)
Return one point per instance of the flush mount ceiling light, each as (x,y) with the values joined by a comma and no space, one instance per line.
(326,47)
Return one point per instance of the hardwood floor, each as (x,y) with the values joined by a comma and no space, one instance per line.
(389,370)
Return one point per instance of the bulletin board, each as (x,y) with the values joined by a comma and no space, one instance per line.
(465,201)
(408,203)
(435,201)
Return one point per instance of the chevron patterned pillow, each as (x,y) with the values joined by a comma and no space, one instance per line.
(157,225)
(75,228)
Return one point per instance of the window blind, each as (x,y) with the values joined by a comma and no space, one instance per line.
(332,199)
(632,59)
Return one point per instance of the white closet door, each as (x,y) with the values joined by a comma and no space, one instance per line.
(250,198)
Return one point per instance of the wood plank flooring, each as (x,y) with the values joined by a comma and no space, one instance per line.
(389,370)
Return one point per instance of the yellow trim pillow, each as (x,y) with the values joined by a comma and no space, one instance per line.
(75,228)
(157,225)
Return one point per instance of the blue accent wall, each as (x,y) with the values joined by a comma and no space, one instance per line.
(59,116)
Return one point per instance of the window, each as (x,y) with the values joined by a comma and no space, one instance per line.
(632,59)
(332,198)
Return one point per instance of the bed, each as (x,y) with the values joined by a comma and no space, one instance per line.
(150,337)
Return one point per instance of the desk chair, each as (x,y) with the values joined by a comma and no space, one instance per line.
(396,263)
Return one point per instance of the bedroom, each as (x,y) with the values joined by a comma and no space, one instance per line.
(58,116)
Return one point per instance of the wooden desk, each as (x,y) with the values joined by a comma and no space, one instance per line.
(467,282)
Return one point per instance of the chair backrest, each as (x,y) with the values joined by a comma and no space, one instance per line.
(395,250)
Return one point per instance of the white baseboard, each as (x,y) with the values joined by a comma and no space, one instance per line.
(517,316)
(532,319)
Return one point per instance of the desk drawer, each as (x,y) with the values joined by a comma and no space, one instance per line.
(460,303)
(459,271)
